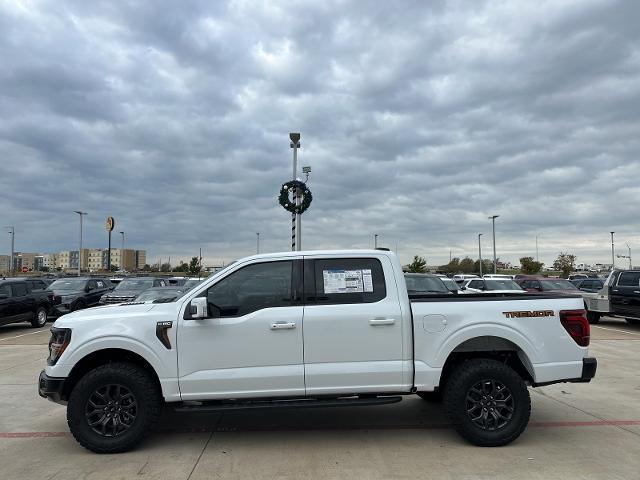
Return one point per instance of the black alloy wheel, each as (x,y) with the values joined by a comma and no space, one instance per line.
(490,404)
(111,410)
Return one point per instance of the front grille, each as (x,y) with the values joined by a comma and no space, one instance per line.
(118,299)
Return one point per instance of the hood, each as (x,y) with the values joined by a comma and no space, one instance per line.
(67,293)
(124,293)
(103,313)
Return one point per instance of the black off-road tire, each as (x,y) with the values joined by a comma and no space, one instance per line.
(146,393)
(39,318)
(459,386)
(79,305)
(431,397)
(593,317)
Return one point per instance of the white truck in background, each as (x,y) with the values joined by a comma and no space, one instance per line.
(236,341)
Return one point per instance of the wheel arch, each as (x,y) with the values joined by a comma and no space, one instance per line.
(493,347)
(104,357)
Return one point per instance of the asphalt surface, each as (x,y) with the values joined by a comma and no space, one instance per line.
(577,431)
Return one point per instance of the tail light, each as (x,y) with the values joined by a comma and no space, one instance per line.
(576,324)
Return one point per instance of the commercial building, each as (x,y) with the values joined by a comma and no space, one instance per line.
(4,264)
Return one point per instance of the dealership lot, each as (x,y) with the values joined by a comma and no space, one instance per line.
(576,431)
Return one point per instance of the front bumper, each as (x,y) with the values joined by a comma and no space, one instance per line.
(51,388)
(589,367)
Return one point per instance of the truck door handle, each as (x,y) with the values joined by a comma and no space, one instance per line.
(283,325)
(382,321)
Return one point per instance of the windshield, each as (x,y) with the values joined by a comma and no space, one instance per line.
(425,284)
(71,284)
(501,285)
(168,293)
(191,283)
(450,284)
(557,285)
(135,284)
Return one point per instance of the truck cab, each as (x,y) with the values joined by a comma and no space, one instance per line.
(620,297)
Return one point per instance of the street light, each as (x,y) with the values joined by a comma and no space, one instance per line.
(613,256)
(495,261)
(11,231)
(257,242)
(375,240)
(82,214)
(480,253)
(122,253)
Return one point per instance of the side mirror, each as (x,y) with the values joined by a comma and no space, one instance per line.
(88,288)
(198,308)
(462,287)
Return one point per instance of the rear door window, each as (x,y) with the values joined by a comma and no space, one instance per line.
(629,279)
(5,290)
(347,280)
(19,289)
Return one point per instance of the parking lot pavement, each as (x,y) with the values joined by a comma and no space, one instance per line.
(577,431)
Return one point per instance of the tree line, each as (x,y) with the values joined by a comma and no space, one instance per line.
(565,263)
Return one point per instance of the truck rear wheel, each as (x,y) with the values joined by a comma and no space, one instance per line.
(593,317)
(39,318)
(487,402)
(113,408)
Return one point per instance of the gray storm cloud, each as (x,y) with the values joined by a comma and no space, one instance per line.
(418,119)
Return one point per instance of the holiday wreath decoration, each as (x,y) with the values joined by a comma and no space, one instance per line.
(302,191)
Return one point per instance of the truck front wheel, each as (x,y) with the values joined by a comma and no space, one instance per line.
(113,407)
(487,402)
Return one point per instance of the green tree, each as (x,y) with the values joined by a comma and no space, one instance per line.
(146,268)
(419,265)
(565,263)
(183,267)
(194,266)
(467,265)
(166,267)
(529,266)
(487,266)
(452,267)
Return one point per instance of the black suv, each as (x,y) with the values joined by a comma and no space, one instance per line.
(75,293)
(129,288)
(22,301)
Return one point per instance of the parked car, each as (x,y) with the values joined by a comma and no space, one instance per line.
(425,284)
(167,294)
(461,278)
(20,302)
(482,285)
(76,293)
(575,276)
(129,288)
(548,285)
(176,281)
(236,342)
(497,276)
(620,297)
(591,285)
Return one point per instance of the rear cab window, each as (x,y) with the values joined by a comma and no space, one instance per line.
(629,279)
(344,280)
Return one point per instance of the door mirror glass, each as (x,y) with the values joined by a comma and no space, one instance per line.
(198,308)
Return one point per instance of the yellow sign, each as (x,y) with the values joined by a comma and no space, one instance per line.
(110,224)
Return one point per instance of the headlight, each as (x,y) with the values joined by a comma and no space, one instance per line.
(58,343)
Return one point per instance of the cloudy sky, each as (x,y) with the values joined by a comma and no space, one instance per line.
(419,120)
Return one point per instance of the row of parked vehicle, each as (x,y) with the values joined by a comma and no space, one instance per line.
(34,300)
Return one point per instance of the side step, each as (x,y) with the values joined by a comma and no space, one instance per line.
(215,406)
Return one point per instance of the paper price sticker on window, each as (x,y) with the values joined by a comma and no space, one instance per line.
(347,281)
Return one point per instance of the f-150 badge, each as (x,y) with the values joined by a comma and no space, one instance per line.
(529,313)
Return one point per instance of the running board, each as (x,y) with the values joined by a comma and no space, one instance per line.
(269,404)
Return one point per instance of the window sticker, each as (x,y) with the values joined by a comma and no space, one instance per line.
(347,281)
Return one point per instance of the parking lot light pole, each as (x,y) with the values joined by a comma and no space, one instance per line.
(495,261)
(375,240)
(257,242)
(82,214)
(480,253)
(613,255)
(12,231)
(122,254)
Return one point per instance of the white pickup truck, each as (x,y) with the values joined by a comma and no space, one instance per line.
(312,329)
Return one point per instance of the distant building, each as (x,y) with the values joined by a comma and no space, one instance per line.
(5,260)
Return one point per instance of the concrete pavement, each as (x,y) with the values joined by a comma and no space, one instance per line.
(577,431)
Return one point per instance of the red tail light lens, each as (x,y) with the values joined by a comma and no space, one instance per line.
(576,324)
